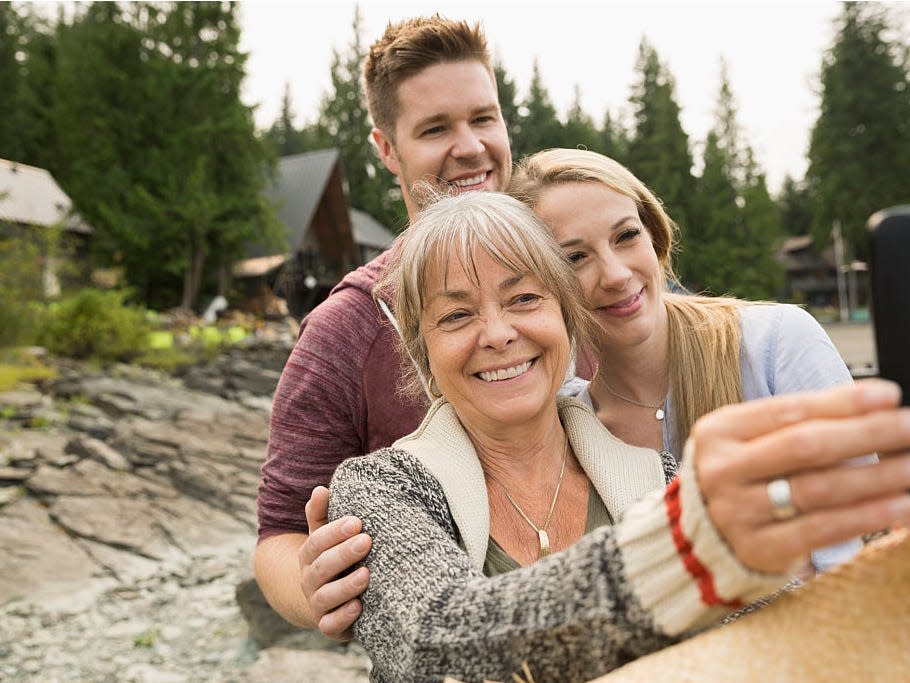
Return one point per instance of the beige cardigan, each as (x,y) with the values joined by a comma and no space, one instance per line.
(621,474)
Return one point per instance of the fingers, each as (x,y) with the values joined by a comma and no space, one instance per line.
(818,490)
(327,554)
(335,604)
(752,419)
(331,550)
(775,546)
(803,438)
(317,508)
(850,485)
(822,443)
(336,623)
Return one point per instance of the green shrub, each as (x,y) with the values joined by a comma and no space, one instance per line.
(20,286)
(96,324)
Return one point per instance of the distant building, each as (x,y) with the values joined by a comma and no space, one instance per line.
(31,201)
(811,275)
(325,238)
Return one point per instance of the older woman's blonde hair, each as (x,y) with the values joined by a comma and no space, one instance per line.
(453,229)
(705,332)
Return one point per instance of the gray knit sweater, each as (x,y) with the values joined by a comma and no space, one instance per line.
(619,593)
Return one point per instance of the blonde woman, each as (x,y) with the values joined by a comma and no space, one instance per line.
(665,358)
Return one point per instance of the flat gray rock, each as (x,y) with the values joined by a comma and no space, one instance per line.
(38,557)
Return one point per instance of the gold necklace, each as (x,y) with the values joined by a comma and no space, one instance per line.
(659,413)
(542,536)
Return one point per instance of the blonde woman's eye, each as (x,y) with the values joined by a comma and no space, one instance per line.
(629,234)
(575,256)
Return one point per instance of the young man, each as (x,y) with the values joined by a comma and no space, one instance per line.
(432,97)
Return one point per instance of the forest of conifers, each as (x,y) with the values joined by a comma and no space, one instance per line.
(136,110)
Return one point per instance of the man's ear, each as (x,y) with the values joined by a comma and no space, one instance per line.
(386,151)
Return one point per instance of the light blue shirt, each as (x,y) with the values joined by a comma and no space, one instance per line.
(783,350)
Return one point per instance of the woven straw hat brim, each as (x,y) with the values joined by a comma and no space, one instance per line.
(850,624)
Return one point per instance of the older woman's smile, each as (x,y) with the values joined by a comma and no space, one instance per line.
(505,373)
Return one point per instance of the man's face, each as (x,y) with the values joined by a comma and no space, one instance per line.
(450,132)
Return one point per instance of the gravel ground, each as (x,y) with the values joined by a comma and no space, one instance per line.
(178,626)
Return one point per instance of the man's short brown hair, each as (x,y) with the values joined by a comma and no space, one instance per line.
(408,47)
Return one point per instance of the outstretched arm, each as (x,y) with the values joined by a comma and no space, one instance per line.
(666,568)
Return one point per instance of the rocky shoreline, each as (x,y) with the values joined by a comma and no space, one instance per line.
(127,523)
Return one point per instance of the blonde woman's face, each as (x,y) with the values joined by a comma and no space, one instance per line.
(613,256)
(498,351)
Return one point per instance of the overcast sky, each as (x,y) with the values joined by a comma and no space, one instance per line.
(773,51)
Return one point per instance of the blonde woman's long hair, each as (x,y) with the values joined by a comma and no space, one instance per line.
(704,331)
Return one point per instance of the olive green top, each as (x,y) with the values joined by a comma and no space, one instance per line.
(498,561)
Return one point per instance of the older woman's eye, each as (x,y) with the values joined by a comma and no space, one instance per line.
(453,319)
(527,299)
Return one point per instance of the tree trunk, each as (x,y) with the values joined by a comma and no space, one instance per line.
(192,279)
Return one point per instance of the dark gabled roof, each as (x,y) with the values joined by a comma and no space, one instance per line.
(368,232)
(30,196)
(299,184)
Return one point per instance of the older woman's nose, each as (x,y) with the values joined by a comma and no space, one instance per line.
(497,331)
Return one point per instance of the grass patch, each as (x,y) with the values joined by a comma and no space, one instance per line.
(146,638)
(168,359)
(17,368)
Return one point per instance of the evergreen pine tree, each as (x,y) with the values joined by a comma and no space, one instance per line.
(344,123)
(859,150)
(540,124)
(795,208)
(731,244)
(580,130)
(157,150)
(505,86)
(658,151)
(282,135)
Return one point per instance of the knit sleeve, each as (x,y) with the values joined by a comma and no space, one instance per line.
(619,593)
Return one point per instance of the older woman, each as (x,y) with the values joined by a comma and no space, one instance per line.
(502,473)
(665,359)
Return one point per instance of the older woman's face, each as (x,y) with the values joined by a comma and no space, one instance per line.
(499,351)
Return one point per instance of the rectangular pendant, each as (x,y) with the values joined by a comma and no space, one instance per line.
(544,543)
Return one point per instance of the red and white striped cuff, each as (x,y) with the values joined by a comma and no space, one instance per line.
(677,563)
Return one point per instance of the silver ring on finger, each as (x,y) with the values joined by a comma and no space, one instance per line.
(781,499)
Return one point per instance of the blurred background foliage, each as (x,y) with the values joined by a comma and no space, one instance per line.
(135,109)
